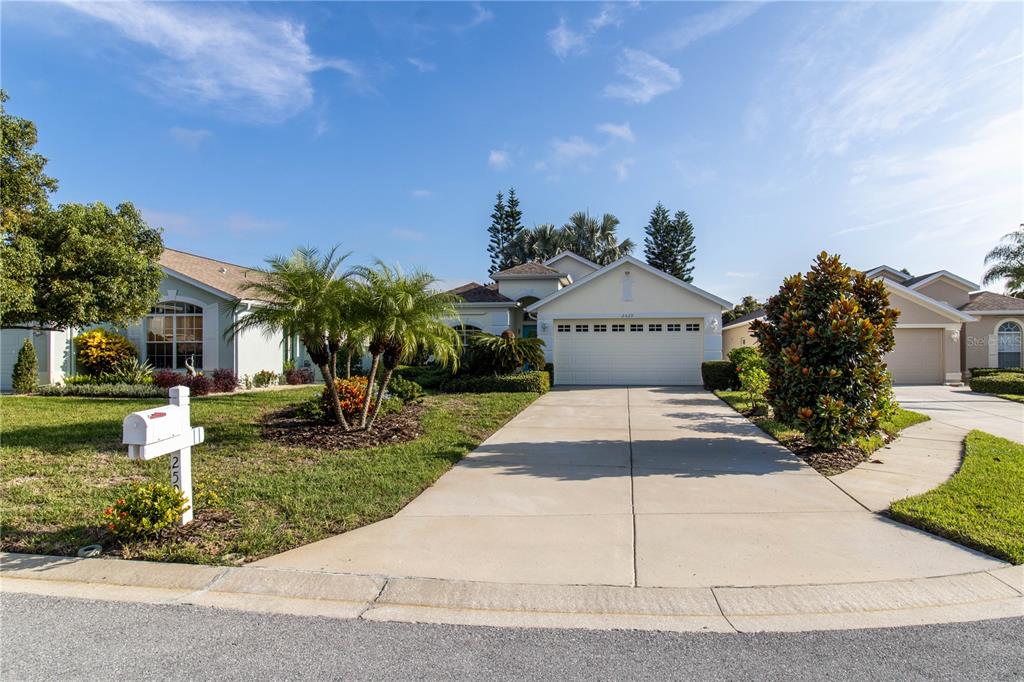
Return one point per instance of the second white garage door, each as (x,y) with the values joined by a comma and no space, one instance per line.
(917,357)
(621,352)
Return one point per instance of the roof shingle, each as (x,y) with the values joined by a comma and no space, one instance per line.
(983,301)
(531,268)
(226,277)
(478,293)
(749,317)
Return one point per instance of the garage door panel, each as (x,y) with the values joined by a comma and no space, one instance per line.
(917,357)
(628,357)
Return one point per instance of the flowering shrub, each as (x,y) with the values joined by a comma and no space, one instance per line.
(199,384)
(351,393)
(224,381)
(100,351)
(264,377)
(168,378)
(294,376)
(146,510)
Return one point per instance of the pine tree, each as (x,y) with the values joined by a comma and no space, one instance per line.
(513,225)
(658,244)
(497,245)
(25,367)
(683,246)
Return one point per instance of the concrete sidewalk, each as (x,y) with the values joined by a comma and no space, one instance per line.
(636,487)
(964,410)
(955,598)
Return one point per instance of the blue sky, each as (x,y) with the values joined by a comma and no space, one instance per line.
(885,132)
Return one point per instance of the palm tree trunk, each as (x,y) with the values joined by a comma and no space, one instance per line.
(380,397)
(369,389)
(333,364)
(332,395)
(348,364)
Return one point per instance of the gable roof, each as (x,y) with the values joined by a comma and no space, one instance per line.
(743,319)
(574,256)
(532,269)
(932,304)
(218,277)
(984,302)
(629,260)
(922,280)
(480,293)
(888,269)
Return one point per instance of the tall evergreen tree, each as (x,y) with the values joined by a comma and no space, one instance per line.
(685,250)
(497,245)
(513,218)
(658,244)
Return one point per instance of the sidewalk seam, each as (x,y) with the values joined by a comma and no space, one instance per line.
(722,611)
(632,480)
(373,602)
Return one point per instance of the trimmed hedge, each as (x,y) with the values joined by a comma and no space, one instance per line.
(524,382)
(719,375)
(104,391)
(989,371)
(1002,382)
(427,376)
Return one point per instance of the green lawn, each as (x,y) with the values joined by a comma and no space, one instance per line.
(1011,396)
(788,435)
(61,464)
(982,506)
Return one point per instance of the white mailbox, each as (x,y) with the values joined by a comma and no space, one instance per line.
(166,430)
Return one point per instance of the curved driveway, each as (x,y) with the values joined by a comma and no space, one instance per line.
(656,487)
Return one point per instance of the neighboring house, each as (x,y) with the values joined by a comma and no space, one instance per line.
(199,299)
(623,323)
(946,327)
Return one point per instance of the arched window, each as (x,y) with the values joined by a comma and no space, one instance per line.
(1009,340)
(174,334)
(466,331)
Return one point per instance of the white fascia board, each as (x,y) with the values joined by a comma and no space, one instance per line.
(528,275)
(1018,313)
(737,324)
(885,268)
(485,304)
(724,304)
(927,325)
(196,283)
(930,303)
(575,256)
(956,279)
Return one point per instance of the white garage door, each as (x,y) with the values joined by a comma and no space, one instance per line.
(621,352)
(917,357)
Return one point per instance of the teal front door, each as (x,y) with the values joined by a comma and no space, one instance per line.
(529,331)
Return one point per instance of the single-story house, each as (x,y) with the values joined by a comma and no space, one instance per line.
(622,323)
(199,299)
(946,327)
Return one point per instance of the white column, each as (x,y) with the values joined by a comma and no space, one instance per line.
(211,337)
(713,337)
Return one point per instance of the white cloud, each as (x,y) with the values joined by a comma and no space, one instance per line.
(422,65)
(572,149)
(408,235)
(622,169)
(481,15)
(421,194)
(617,131)
(610,15)
(250,64)
(498,159)
(190,138)
(646,77)
(706,24)
(564,41)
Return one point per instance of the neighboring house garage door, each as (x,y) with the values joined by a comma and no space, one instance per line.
(628,351)
(917,358)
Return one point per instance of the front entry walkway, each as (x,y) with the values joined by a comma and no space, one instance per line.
(653,487)
(961,409)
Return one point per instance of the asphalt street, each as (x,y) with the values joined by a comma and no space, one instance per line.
(67,639)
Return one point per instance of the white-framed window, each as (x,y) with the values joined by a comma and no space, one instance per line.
(636,327)
(466,332)
(693,326)
(174,335)
(673,326)
(600,327)
(618,327)
(583,327)
(1009,339)
(564,328)
(654,327)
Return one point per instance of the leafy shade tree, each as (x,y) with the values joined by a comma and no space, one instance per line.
(401,315)
(823,340)
(78,265)
(24,377)
(596,241)
(1006,261)
(303,295)
(748,305)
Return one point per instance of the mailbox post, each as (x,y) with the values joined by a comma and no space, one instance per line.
(166,430)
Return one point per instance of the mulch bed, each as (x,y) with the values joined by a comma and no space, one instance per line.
(286,427)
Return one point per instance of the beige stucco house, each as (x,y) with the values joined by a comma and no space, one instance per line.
(946,327)
(623,323)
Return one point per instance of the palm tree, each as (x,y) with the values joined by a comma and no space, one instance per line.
(301,295)
(594,240)
(548,241)
(401,314)
(1008,263)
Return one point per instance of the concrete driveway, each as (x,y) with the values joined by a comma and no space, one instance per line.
(660,487)
(963,409)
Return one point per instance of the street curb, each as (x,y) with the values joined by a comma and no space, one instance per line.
(982,595)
